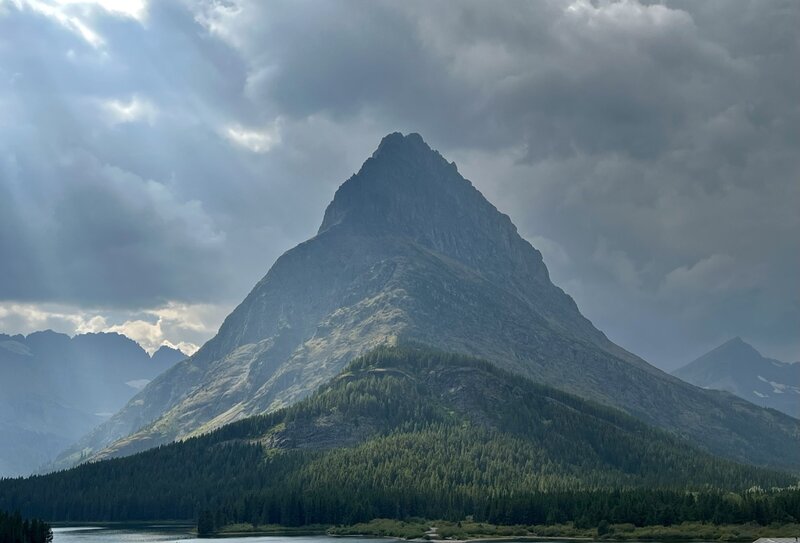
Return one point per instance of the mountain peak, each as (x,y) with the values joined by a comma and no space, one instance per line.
(737,345)
(403,183)
(737,367)
(396,146)
(396,142)
(166,355)
(406,189)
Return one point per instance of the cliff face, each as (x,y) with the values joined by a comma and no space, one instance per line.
(409,250)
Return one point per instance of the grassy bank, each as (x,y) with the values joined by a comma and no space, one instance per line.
(466,530)
(269,530)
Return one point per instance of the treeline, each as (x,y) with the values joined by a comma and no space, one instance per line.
(433,474)
(15,529)
(418,434)
(639,507)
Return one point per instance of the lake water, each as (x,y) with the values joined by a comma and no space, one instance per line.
(170,533)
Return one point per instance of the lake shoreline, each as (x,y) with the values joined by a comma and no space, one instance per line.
(421,532)
(470,532)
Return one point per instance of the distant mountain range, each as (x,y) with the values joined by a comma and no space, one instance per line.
(54,389)
(739,368)
(410,251)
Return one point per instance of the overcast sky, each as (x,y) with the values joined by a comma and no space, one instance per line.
(156,157)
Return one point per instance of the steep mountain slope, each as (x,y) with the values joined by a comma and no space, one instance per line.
(410,250)
(54,389)
(738,368)
(399,432)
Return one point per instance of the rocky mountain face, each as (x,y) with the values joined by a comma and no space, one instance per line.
(737,367)
(409,250)
(54,389)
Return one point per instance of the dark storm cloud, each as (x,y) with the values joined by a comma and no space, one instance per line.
(547,74)
(648,150)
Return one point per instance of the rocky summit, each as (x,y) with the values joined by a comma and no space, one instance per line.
(411,252)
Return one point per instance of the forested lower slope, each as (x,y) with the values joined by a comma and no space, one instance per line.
(15,529)
(401,432)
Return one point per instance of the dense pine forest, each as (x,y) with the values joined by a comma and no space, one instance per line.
(15,529)
(639,507)
(414,433)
